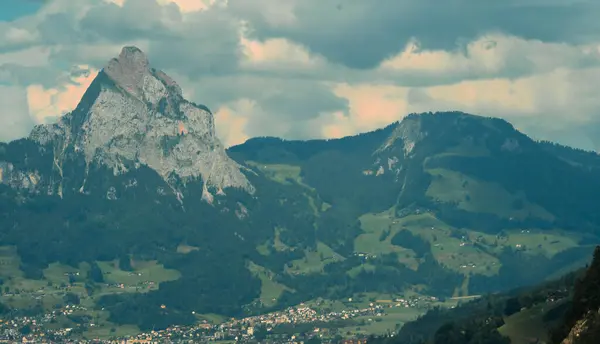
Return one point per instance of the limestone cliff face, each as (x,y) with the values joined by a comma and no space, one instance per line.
(134,115)
(408,133)
(397,149)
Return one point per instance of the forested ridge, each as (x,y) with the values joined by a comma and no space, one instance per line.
(308,222)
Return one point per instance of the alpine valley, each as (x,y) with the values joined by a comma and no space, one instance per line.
(132,204)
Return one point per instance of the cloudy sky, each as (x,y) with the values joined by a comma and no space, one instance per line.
(317,68)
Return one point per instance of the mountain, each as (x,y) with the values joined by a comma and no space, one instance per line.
(134,182)
(135,115)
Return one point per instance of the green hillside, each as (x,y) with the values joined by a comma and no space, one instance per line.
(564,311)
(446,204)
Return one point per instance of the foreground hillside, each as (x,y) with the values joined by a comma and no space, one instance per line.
(132,204)
(564,311)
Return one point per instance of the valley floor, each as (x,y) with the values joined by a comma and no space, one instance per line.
(323,319)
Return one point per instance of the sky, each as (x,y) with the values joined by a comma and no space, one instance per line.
(302,69)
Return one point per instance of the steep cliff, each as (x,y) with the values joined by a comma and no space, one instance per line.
(135,115)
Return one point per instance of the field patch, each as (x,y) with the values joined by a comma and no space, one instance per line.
(361,268)
(450,249)
(379,229)
(59,273)
(527,326)
(314,260)
(104,329)
(542,242)
(395,314)
(281,173)
(146,275)
(481,197)
(275,243)
(389,322)
(270,290)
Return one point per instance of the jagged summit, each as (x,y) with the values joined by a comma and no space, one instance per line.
(130,71)
(134,114)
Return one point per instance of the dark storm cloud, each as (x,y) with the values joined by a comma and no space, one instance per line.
(61,28)
(17,75)
(303,103)
(294,103)
(205,43)
(291,99)
(360,34)
(136,19)
(208,44)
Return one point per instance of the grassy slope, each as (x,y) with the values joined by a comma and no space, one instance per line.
(314,260)
(374,226)
(481,197)
(459,254)
(49,291)
(270,290)
(462,254)
(528,325)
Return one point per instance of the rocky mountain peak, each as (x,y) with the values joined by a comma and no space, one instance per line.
(131,72)
(408,132)
(133,114)
(129,69)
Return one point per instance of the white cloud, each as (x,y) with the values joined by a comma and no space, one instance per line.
(231,121)
(185,6)
(563,100)
(493,55)
(47,103)
(14,121)
(277,53)
(30,57)
(277,83)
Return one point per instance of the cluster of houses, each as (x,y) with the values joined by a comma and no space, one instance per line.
(36,330)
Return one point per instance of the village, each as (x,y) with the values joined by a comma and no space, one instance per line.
(293,325)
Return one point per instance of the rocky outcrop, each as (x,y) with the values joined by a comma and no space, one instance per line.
(397,148)
(135,115)
(408,132)
(17,179)
(585,330)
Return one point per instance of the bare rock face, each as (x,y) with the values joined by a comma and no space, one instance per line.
(585,330)
(408,132)
(17,179)
(135,115)
(390,157)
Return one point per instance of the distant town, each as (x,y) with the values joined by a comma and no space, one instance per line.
(302,323)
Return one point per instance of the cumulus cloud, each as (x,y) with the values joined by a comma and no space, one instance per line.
(492,55)
(184,6)
(328,68)
(360,34)
(15,123)
(45,104)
